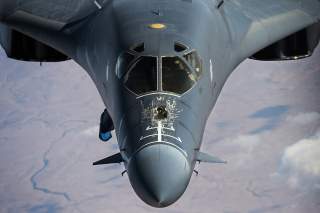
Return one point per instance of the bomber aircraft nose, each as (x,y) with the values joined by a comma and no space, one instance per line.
(159,174)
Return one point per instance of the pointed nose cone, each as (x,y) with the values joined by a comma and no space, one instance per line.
(159,174)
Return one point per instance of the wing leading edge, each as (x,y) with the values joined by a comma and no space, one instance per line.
(45,24)
(47,14)
(255,24)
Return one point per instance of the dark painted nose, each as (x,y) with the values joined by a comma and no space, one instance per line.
(159,174)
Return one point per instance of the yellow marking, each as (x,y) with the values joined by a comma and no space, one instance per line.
(157,26)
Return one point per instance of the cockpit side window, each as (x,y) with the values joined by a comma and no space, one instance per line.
(194,61)
(142,75)
(124,62)
(177,77)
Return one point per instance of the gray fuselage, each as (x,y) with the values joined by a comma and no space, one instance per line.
(159,153)
(159,66)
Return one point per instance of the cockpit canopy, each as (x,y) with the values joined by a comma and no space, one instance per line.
(144,74)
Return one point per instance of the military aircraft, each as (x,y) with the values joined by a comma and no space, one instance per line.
(159,66)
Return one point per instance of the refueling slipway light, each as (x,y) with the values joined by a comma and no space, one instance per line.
(157,26)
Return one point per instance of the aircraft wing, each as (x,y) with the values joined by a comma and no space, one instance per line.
(48,14)
(30,29)
(256,24)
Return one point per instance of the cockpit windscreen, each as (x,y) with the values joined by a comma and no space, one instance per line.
(177,77)
(142,77)
(175,74)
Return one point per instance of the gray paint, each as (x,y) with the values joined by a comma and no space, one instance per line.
(94,37)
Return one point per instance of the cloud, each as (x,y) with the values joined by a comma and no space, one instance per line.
(301,163)
(246,142)
(91,132)
(241,149)
(304,118)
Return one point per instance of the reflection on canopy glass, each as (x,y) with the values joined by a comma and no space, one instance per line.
(176,75)
(142,77)
(124,62)
(194,61)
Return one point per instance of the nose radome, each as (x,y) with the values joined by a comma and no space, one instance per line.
(159,174)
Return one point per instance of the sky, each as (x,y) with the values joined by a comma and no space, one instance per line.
(266,124)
